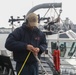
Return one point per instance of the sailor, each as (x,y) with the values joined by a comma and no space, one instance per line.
(25,39)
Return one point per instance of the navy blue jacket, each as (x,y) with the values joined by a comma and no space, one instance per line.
(20,38)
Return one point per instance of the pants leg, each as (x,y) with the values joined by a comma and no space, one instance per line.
(31,69)
(34,68)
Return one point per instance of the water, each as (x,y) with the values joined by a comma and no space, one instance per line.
(2,41)
(3,38)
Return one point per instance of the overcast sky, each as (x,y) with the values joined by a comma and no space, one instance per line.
(21,7)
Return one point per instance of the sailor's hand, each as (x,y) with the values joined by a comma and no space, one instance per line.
(36,50)
(30,48)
